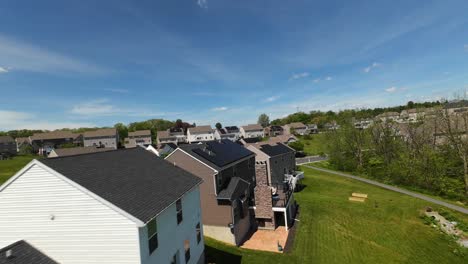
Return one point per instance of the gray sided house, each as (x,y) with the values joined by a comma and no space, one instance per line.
(138,138)
(173,135)
(273,131)
(44,143)
(200,134)
(7,146)
(252,131)
(228,173)
(102,138)
(296,128)
(276,179)
(232,133)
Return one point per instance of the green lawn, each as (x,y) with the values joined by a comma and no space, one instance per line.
(385,229)
(9,167)
(316,145)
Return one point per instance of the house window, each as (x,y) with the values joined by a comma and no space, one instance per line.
(152,235)
(179,211)
(187,250)
(198,229)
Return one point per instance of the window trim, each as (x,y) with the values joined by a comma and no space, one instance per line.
(179,211)
(152,236)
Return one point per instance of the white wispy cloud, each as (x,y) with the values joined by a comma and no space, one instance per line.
(10,120)
(391,89)
(219,109)
(329,78)
(271,99)
(371,67)
(299,75)
(202,3)
(28,57)
(95,108)
(116,90)
(3,70)
(317,80)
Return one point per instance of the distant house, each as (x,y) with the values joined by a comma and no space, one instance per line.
(199,134)
(166,149)
(173,135)
(313,128)
(363,123)
(122,206)
(388,116)
(276,179)
(228,173)
(232,133)
(44,143)
(285,139)
(252,131)
(105,138)
(296,128)
(138,138)
(65,152)
(331,126)
(20,141)
(7,146)
(273,131)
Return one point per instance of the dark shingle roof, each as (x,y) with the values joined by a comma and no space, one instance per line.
(235,188)
(133,179)
(139,133)
(23,253)
(275,150)
(104,132)
(217,154)
(6,139)
(63,152)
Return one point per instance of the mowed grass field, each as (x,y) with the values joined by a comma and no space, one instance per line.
(9,167)
(315,145)
(385,229)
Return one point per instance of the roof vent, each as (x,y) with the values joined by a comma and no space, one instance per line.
(9,254)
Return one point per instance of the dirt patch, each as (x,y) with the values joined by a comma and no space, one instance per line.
(449,228)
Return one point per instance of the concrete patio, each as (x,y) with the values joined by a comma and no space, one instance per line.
(267,240)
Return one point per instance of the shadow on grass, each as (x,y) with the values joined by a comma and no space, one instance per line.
(214,255)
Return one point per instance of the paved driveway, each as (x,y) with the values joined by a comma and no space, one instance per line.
(395,189)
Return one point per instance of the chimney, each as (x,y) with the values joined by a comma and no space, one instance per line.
(9,254)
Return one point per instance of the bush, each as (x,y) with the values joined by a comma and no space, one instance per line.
(298,146)
(26,150)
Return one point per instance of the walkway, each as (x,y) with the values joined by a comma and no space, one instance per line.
(395,189)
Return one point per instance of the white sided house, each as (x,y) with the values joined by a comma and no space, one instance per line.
(124,206)
(199,134)
(252,131)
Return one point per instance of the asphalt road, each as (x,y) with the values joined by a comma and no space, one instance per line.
(393,188)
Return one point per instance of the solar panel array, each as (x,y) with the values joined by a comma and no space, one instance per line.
(223,152)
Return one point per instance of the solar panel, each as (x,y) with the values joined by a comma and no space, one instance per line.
(222,152)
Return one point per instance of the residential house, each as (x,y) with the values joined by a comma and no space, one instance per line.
(123,206)
(44,143)
(273,131)
(388,116)
(285,139)
(313,128)
(166,149)
(199,134)
(331,126)
(105,138)
(232,133)
(276,180)
(412,115)
(20,141)
(252,131)
(138,138)
(228,173)
(363,123)
(173,135)
(297,128)
(7,146)
(65,152)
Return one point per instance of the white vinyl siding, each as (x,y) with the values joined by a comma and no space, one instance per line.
(64,222)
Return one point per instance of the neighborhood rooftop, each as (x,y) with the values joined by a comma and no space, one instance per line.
(100,133)
(139,133)
(275,150)
(218,153)
(63,152)
(201,129)
(252,127)
(54,135)
(23,253)
(134,179)
(6,139)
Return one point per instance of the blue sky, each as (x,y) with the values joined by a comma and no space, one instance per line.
(95,63)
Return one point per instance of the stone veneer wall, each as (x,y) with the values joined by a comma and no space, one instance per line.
(263,200)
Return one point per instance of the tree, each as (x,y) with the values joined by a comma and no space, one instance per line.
(26,149)
(218,126)
(122,130)
(263,120)
(297,145)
